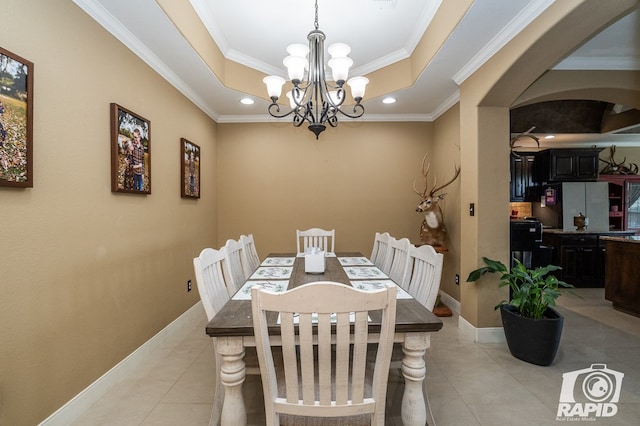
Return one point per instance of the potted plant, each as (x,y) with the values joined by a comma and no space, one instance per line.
(531,326)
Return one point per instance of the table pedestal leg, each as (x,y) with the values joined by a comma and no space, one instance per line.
(232,375)
(414,410)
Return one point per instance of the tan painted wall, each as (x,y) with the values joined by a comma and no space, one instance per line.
(87,276)
(358,179)
(446,153)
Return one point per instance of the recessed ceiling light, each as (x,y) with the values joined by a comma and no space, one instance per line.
(389,100)
(550,137)
(247,101)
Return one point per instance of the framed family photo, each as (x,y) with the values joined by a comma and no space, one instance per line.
(130,151)
(189,169)
(16,120)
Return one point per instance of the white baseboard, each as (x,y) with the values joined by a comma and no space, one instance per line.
(480,335)
(73,409)
(452,303)
(467,330)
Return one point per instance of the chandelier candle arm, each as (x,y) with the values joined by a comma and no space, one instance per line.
(316,100)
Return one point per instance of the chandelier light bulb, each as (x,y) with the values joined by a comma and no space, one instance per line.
(298,49)
(295,67)
(274,85)
(339,50)
(358,85)
(340,68)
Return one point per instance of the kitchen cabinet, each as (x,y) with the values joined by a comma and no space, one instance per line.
(521,175)
(567,165)
(581,255)
(621,281)
(579,258)
(624,201)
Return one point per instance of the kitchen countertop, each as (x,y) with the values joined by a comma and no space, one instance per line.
(626,239)
(588,231)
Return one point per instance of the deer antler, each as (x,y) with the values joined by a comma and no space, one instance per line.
(425,173)
(455,176)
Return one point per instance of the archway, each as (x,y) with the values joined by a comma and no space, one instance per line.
(484,120)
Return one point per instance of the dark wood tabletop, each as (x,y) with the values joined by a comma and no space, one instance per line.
(234,319)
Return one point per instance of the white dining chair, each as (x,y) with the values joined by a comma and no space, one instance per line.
(234,274)
(313,318)
(316,237)
(213,295)
(424,283)
(380,246)
(250,259)
(398,253)
(386,261)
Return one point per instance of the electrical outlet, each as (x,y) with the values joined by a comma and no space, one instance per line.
(188,285)
(457,279)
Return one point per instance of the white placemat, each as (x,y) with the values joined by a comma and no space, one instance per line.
(245,291)
(364,272)
(278,261)
(272,273)
(370,285)
(354,261)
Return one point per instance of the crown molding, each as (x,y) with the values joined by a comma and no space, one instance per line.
(611,63)
(446,105)
(522,20)
(119,31)
(366,118)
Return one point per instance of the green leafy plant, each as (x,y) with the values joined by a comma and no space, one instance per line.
(532,290)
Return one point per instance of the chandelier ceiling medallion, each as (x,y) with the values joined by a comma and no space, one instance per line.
(316,100)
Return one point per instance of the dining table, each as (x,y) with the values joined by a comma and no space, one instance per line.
(233,329)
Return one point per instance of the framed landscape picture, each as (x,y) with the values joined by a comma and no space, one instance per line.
(189,169)
(130,151)
(16,120)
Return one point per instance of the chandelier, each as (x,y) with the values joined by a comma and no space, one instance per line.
(316,100)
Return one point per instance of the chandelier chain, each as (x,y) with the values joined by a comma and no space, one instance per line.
(316,21)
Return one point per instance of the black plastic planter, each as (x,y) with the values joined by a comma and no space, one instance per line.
(532,340)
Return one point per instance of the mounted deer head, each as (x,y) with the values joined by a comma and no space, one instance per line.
(432,230)
(615,168)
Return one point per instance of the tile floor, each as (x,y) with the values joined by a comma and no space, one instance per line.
(469,383)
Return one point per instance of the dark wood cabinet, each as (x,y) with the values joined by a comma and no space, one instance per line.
(521,175)
(579,260)
(621,282)
(567,165)
(580,255)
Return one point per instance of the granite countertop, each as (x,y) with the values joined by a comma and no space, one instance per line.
(588,231)
(623,239)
